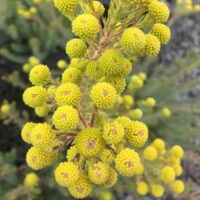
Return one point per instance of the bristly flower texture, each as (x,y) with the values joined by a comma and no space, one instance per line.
(101,56)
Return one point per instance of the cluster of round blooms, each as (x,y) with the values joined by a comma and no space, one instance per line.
(164,173)
(98,150)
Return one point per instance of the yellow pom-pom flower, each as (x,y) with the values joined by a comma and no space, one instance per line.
(65,118)
(168,175)
(42,111)
(152,47)
(76,48)
(127,67)
(107,156)
(66,7)
(150,153)
(61,64)
(117,82)
(111,180)
(96,8)
(125,122)
(127,161)
(38,159)
(40,75)
(26,132)
(66,174)
(140,169)
(159,12)
(71,75)
(162,32)
(33,61)
(133,40)
(42,136)
(68,94)
(35,96)
(142,188)
(178,169)
(128,101)
(111,62)
(81,189)
(85,26)
(31,180)
(135,113)
(89,142)
(178,186)
(137,133)
(94,70)
(98,173)
(157,190)
(177,151)
(142,76)
(5,108)
(159,144)
(166,112)
(150,102)
(113,132)
(79,63)
(103,95)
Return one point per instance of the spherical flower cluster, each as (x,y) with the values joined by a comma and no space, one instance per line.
(152,47)
(26,132)
(94,70)
(89,142)
(159,12)
(31,180)
(111,180)
(103,95)
(150,153)
(82,188)
(71,75)
(111,62)
(137,133)
(66,7)
(157,190)
(119,83)
(40,75)
(107,156)
(42,111)
(113,132)
(65,118)
(178,186)
(97,8)
(85,26)
(68,94)
(142,188)
(166,112)
(79,63)
(168,175)
(35,96)
(127,161)
(128,101)
(66,174)
(133,40)
(98,173)
(162,32)
(76,48)
(42,136)
(38,159)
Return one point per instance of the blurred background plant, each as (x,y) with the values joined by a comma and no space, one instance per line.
(30,27)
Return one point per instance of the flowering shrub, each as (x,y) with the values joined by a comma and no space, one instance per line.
(101,58)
